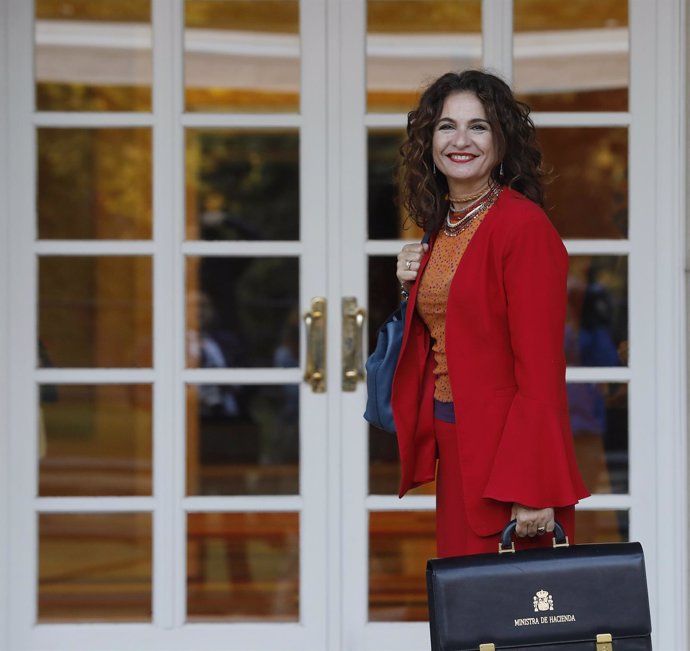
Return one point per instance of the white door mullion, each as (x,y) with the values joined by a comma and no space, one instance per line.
(95,248)
(242,248)
(642,442)
(4,326)
(94,504)
(179,350)
(497,37)
(313,279)
(669,395)
(353,234)
(79,119)
(584,119)
(165,543)
(23,547)
(240,120)
(335,523)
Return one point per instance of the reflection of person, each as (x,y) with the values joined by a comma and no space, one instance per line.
(215,348)
(480,382)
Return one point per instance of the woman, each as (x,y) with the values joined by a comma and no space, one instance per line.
(480,383)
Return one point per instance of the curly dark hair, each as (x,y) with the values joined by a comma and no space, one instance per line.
(423,193)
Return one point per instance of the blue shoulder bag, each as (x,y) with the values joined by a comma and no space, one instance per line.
(380,368)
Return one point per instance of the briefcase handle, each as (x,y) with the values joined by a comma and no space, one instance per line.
(508,546)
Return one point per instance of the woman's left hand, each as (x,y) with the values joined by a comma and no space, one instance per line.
(532,522)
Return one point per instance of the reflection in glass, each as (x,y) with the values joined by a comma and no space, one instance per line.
(383,295)
(242,184)
(596,330)
(572,56)
(601,526)
(94,183)
(587,189)
(243,567)
(400,543)
(242,312)
(383,298)
(242,440)
(242,55)
(411,42)
(94,567)
(599,421)
(386,219)
(95,440)
(93,55)
(95,311)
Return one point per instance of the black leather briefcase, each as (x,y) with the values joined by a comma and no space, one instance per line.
(569,598)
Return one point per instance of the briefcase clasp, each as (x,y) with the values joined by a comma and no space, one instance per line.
(604,642)
(565,543)
(487,646)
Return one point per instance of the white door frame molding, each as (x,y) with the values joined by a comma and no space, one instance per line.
(665,183)
(168,504)
(4,325)
(21,331)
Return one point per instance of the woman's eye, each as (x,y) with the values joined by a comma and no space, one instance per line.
(478,127)
(445,127)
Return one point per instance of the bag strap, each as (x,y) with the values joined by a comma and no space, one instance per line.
(507,545)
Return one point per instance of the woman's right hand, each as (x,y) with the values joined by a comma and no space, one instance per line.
(409,261)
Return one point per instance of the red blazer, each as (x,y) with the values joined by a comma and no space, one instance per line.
(504,342)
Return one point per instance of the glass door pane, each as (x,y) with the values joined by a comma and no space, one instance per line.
(242,55)
(243,567)
(411,41)
(93,56)
(572,56)
(94,567)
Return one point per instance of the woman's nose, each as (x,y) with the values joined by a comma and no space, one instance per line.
(460,139)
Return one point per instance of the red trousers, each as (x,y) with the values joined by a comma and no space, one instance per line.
(454,536)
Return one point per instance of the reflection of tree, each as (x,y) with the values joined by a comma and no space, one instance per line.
(94,183)
(538,15)
(588,189)
(267,293)
(430,16)
(382,162)
(121,11)
(246,184)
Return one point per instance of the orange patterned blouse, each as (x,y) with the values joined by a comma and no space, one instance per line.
(432,297)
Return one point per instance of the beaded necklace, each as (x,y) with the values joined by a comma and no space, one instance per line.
(458,221)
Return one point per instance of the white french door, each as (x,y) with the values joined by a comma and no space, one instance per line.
(176,493)
(183,178)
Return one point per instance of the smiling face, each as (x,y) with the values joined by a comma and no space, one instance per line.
(464,147)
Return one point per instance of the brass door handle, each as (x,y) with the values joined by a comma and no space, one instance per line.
(352,343)
(315,368)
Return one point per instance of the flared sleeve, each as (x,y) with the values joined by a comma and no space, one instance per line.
(535,460)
